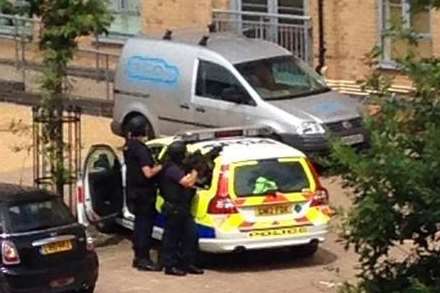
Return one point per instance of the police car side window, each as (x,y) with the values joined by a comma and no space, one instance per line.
(216,82)
(155,151)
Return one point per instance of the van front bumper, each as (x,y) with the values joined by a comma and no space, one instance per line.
(320,143)
(308,144)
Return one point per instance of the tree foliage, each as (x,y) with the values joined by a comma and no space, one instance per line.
(394,224)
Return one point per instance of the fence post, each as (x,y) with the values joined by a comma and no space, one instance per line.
(306,42)
(261,28)
(23,52)
(17,54)
(97,53)
(107,77)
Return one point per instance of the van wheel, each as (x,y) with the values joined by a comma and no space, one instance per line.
(148,130)
(306,250)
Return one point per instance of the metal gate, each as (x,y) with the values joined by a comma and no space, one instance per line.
(289,31)
(45,162)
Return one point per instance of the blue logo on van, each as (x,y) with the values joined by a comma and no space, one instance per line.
(151,69)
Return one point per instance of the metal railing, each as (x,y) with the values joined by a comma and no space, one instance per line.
(23,31)
(289,31)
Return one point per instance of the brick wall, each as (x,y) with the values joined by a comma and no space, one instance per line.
(435,27)
(351,31)
(170,14)
(221,4)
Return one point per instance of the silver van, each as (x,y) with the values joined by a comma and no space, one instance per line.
(225,80)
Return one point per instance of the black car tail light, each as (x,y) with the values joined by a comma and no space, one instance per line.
(10,254)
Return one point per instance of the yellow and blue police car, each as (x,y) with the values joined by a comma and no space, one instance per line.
(263,193)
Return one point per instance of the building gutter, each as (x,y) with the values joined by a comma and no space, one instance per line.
(321,41)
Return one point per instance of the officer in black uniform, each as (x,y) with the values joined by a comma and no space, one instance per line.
(141,192)
(180,239)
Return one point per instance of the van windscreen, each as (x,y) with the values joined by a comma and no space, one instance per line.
(269,176)
(282,77)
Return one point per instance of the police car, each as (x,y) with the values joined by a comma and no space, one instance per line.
(263,193)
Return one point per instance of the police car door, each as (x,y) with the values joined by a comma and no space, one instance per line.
(100,190)
(219,98)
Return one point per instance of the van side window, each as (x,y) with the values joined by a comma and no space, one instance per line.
(216,82)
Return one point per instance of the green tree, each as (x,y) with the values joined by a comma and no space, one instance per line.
(394,224)
(63,23)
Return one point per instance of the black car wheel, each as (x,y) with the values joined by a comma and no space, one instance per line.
(91,289)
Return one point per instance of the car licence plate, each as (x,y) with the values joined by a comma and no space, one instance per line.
(278,232)
(274,210)
(56,247)
(352,139)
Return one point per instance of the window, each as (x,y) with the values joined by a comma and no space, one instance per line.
(269,176)
(11,25)
(38,215)
(398,14)
(216,82)
(127,18)
(282,77)
(156,150)
(292,7)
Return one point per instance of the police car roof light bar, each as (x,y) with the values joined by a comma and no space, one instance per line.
(213,133)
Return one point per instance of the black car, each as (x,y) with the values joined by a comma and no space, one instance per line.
(43,248)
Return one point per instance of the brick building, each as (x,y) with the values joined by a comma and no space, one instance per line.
(351,27)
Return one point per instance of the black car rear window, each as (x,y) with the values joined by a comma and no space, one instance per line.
(37,215)
(269,176)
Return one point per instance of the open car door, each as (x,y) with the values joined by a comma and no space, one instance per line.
(100,191)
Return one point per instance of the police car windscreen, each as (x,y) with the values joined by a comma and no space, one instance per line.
(38,215)
(269,176)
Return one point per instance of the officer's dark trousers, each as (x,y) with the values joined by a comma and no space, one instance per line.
(180,240)
(145,214)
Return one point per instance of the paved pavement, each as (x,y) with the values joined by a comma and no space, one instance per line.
(261,271)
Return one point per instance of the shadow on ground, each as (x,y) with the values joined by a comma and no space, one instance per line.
(109,239)
(265,260)
(236,262)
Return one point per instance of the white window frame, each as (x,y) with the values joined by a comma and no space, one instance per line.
(384,25)
(123,7)
(272,6)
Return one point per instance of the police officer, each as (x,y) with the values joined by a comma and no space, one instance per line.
(141,192)
(180,240)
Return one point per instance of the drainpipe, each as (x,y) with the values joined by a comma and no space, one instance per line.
(322,49)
